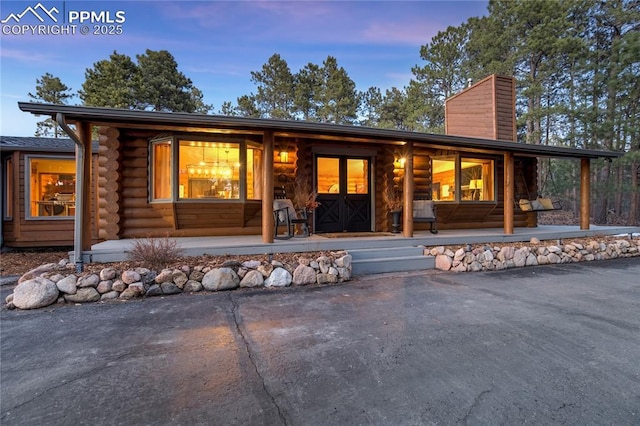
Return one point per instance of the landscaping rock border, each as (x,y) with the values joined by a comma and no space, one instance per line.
(46,284)
(49,284)
(491,258)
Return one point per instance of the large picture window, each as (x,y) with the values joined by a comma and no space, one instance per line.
(205,169)
(51,187)
(209,170)
(463,179)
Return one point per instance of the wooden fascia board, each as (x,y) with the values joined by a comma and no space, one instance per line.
(188,122)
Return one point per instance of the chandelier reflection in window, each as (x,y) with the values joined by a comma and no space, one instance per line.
(212,169)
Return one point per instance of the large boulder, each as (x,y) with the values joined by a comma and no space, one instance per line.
(304,275)
(36,272)
(221,279)
(83,295)
(192,286)
(67,285)
(35,293)
(280,277)
(252,278)
(443,262)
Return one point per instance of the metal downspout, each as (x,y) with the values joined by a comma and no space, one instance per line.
(77,226)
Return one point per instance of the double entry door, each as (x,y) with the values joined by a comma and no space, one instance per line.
(344,193)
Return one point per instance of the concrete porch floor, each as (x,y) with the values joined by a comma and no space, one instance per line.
(116,250)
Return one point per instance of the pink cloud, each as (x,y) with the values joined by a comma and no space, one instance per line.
(389,32)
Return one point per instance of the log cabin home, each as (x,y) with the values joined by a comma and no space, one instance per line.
(179,174)
(38,191)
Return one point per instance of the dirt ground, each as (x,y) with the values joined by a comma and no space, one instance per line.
(18,262)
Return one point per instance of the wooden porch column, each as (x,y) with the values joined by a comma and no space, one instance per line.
(84,134)
(508,193)
(585,193)
(267,188)
(407,193)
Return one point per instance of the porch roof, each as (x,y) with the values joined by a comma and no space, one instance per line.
(39,144)
(193,122)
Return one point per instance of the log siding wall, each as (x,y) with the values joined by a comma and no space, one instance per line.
(20,232)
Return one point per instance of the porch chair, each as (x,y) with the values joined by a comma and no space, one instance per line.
(424,210)
(285,214)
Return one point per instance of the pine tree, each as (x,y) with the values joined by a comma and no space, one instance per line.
(275,83)
(111,83)
(338,100)
(161,87)
(50,89)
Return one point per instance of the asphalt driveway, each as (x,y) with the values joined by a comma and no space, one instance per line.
(544,345)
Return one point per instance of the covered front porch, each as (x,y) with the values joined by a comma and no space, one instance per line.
(116,250)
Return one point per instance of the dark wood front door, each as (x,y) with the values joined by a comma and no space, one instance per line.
(344,193)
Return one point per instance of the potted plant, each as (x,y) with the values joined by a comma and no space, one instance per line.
(393,200)
(305,200)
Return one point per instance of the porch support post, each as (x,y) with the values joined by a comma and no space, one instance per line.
(84,134)
(407,193)
(267,188)
(585,192)
(508,193)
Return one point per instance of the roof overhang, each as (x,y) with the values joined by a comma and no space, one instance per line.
(201,122)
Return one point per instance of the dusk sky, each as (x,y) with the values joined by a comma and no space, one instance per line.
(217,44)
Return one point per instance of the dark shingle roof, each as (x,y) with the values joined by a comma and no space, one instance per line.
(32,143)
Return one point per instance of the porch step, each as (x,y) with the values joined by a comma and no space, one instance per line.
(395,259)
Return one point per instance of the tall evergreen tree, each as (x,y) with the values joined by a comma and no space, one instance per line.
(111,83)
(371,102)
(523,39)
(425,108)
(50,89)
(338,100)
(393,110)
(161,86)
(308,85)
(275,83)
(247,107)
(444,58)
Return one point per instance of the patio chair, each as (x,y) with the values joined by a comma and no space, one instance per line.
(285,214)
(424,210)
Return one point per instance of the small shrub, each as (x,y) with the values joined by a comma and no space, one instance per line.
(155,253)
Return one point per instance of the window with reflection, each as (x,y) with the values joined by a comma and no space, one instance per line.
(328,175)
(476,180)
(191,169)
(51,187)
(161,170)
(443,179)
(357,176)
(462,179)
(209,170)
(254,171)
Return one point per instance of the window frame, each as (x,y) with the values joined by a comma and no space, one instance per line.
(27,184)
(8,188)
(151,171)
(243,142)
(458,159)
